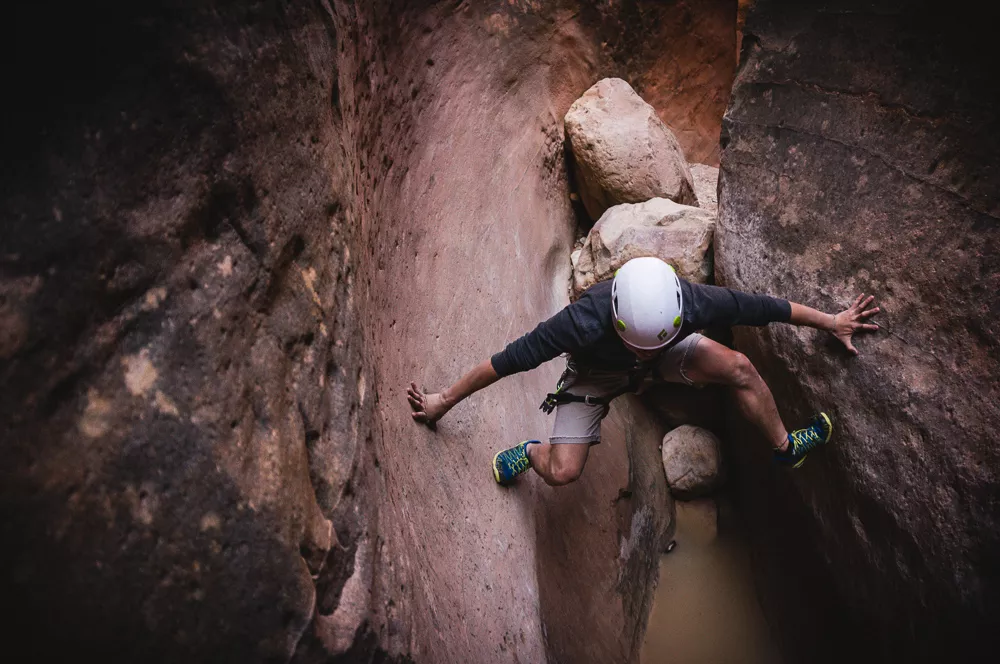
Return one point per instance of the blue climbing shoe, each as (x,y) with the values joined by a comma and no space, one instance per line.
(803,441)
(510,463)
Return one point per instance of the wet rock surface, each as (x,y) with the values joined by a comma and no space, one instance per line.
(678,234)
(601,571)
(861,156)
(622,152)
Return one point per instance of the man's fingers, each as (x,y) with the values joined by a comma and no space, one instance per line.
(858,301)
(870,312)
(871,298)
(419,417)
(846,340)
(870,326)
(415,404)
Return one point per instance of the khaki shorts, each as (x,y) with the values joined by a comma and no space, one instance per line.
(578,422)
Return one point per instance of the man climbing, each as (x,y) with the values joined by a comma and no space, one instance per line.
(643,323)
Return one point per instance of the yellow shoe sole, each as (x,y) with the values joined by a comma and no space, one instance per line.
(496,473)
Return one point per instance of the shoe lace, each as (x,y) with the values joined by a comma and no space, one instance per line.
(806,439)
(515,459)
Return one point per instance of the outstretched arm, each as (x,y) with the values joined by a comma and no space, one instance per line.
(842,325)
(570,329)
(429,408)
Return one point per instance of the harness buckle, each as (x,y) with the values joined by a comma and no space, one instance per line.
(592,400)
(549,404)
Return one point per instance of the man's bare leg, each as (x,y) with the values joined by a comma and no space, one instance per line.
(711,362)
(560,463)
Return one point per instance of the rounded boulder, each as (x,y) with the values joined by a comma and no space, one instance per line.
(692,461)
(622,151)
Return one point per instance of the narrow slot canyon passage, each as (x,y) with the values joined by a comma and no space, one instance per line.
(234,233)
(706,609)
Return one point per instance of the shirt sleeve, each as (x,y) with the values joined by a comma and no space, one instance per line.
(717,306)
(570,330)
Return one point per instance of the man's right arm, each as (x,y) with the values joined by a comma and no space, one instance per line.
(429,408)
(570,329)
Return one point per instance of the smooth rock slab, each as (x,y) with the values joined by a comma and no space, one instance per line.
(622,151)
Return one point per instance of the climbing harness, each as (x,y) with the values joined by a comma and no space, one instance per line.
(560,396)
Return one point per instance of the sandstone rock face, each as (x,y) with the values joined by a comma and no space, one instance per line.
(706,182)
(204,339)
(678,234)
(622,152)
(681,58)
(860,161)
(691,459)
(184,414)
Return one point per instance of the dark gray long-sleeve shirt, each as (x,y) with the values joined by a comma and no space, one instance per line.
(585,328)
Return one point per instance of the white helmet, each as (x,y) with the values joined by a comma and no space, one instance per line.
(646,303)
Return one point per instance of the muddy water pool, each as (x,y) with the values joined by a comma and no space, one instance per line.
(706,610)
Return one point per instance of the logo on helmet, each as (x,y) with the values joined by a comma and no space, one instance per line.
(662,335)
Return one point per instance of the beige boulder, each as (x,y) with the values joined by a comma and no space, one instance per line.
(678,234)
(706,184)
(691,460)
(622,151)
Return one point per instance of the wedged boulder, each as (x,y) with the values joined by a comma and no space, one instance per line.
(692,460)
(859,161)
(622,151)
(679,234)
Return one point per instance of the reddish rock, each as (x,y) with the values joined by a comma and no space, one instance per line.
(232,237)
(612,575)
(862,156)
(680,56)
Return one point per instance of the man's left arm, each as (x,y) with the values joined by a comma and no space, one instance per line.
(708,306)
(842,325)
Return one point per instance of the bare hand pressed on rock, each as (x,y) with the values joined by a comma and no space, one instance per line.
(428,408)
(851,320)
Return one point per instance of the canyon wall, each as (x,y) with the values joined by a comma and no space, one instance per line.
(861,157)
(234,234)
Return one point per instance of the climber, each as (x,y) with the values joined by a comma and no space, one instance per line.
(642,324)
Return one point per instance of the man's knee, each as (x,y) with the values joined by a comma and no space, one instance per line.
(741,372)
(564,473)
